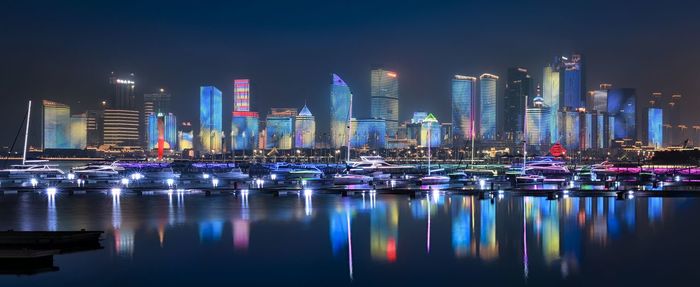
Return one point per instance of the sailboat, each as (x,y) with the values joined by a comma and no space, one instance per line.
(431,179)
(349,178)
(32,170)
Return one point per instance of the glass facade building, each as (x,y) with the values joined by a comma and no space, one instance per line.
(655,127)
(487,95)
(121,128)
(78,131)
(369,133)
(598,101)
(241,95)
(210,120)
(622,104)
(340,111)
(538,122)
(570,129)
(304,129)
(185,138)
(244,130)
(385,98)
(123,97)
(278,132)
(463,89)
(56,124)
(169,131)
(550,94)
(573,82)
(518,87)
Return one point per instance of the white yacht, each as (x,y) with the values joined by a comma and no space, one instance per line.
(32,169)
(97,170)
(345,179)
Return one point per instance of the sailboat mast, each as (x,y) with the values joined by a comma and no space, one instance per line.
(347,136)
(525,135)
(26,133)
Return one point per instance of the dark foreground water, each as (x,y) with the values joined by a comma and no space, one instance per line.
(383,240)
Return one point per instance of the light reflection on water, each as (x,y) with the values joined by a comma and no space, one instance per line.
(545,239)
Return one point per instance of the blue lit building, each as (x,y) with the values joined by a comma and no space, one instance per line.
(278,132)
(622,104)
(169,130)
(340,109)
(55,125)
(304,129)
(538,124)
(570,129)
(244,130)
(210,119)
(655,126)
(463,99)
(487,118)
(573,82)
(385,98)
(518,86)
(369,133)
(185,136)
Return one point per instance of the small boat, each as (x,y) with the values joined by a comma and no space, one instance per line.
(283,171)
(344,179)
(434,179)
(97,170)
(459,176)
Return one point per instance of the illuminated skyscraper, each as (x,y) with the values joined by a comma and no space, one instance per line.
(78,131)
(304,129)
(210,121)
(518,86)
(550,90)
(573,82)
(598,99)
(655,127)
(538,123)
(185,136)
(570,129)
(622,104)
(121,128)
(279,132)
(55,125)
(244,130)
(487,122)
(123,97)
(95,123)
(153,104)
(369,133)
(169,131)
(463,108)
(385,98)
(340,108)
(241,95)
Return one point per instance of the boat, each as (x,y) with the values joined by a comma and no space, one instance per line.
(345,179)
(206,171)
(33,170)
(284,171)
(529,179)
(434,179)
(97,170)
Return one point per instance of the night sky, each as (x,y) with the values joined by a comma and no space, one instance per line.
(65,52)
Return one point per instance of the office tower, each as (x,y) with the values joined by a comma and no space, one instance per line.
(55,125)
(487,117)
(518,87)
(153,104)
(570,128)
(304,129)
(573,82)
(340,111)
(598,99)
(446,136)
(463,108)
(121,128)
(428,126)
(600,128)
(278,132)
(122,95)
(244,130)
(550,90)
(78,131)
(587,133)
(385,98)
(241,95)
(655,127)
(169,131)
(185,137)
(94,127)
(538,124)
(370,133)
(622,104)
(210,120)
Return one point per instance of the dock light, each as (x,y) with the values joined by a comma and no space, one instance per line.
(500,191)
(33,182)
(393,183)
(170,182)
(205,176)
(71,176)
(677,178)
(215,182)
(80,182)
(566,196)
(303,182)
(125,181)
(116,191)
(51,191)
(308,192)
(372,191)
(631,192)
(170,191)
(482,183)
(566,191)
(571,184)
(576,177)
(244,192)
(136,176)
(273,176)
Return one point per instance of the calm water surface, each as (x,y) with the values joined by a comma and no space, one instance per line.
(192,239)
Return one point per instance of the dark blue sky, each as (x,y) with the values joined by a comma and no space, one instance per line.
(65,50)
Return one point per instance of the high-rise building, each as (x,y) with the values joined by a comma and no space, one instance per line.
(622,104)
(550,90)
(121,128)
(94,127)
(487,117)
(570,128)
(655,127)
(153,104)
(123,96)
(463,108)
(598,100)
(278,132)
(304,129)
(241,95)
(369,133)
(55,125)
(185,138)
(169,130)
(78,131)
(538,124)
(573,82)
(385,98)
(244,130)
(340,111)
(210,120)
(518,87)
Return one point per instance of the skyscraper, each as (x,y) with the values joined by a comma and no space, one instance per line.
(304,129)
(573,82)
(518,86)
(463,108)
(121,128)
(340,109)
(185,136)
(550,90)
(655,127)
(169,130)
(55,125)
(279,132)
(598,99)
(241,95)
(385,98)
(78,131)
(95,122)
(622,104)
(487,94)
(368,132)
(153,104)
(123,97)
(210,119)
(538,123)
